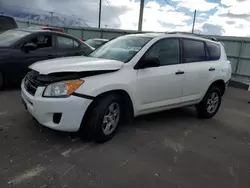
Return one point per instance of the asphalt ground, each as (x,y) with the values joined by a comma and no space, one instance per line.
(167,149)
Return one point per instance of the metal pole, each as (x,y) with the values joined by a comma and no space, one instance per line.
(100,13)
(238,57)
(141,16)
(194,21)
(51,17)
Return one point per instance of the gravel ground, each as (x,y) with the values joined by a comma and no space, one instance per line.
(167,149)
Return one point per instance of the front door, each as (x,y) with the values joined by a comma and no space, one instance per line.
(159,87)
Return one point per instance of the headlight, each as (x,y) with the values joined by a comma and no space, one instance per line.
(62,89)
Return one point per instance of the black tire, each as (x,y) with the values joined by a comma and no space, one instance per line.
(1,81)
(92,124)
(202,108)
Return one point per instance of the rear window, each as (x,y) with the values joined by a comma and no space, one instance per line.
(214,51)
(194,51)
(7,23)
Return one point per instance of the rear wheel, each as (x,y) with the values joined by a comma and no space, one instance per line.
(210,104)
(102,119)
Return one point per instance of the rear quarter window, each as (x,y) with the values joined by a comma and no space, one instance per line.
(66,42)
(214,51)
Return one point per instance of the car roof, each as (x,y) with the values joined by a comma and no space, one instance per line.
(147,34)
(177,34)
(35,30)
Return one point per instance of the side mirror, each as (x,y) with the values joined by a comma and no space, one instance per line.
(151,62)
(29,47)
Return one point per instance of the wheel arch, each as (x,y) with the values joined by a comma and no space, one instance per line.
(220,84)
(126,100)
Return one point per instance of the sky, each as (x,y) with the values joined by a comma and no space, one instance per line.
(214,17)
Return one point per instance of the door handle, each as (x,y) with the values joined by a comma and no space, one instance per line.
(211,69)
(179,72)
(50,56)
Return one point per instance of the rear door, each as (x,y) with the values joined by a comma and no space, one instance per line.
(214,51)
(67,46)
(196,65)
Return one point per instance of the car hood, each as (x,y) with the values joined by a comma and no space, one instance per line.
(75,64)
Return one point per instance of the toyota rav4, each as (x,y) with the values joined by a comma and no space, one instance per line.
(129,76)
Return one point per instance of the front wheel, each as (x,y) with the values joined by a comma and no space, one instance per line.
(210,104)
(102,119)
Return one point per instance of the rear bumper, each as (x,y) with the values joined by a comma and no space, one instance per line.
(63,114)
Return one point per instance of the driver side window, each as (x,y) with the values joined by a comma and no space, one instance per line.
(41,41)
(167,51)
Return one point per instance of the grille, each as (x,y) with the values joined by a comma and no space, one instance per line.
(31,83)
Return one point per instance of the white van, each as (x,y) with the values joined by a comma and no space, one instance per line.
(129,76)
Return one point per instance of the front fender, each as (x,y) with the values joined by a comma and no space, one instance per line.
(120,80)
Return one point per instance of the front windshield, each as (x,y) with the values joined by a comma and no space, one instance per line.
(10,37)
(122,48)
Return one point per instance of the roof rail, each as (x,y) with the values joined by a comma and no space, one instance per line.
(194,34)
(182,32)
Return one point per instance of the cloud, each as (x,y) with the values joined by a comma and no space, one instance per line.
(86,10)
(230,22)
(232,18)
(220,23)
(200,5)
(202,14)
(156,17)
(237,6)
(241,16)
(123,14)
(212,29)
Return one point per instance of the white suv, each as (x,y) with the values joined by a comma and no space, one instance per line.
(127,77)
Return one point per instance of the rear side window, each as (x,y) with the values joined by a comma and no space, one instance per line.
(194,51)
(214,51)
(64,42)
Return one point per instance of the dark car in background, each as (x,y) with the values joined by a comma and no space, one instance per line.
(7,23)
(96,43)
(20,48)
